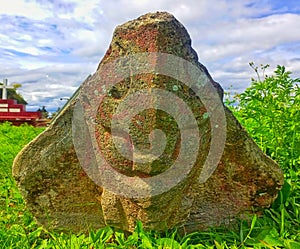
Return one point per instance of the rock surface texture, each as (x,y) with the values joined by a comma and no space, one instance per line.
(61,190)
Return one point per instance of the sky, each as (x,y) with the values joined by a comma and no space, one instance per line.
(51,46)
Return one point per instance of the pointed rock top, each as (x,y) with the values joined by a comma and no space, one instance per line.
(155,17)
(152,32)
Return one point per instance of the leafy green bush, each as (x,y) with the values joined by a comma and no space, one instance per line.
(270,111)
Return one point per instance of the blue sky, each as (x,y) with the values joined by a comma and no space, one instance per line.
(51,46)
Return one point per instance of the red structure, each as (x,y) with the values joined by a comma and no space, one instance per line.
(16,113)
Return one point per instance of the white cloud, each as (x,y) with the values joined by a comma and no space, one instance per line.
(66,39)
(24,8)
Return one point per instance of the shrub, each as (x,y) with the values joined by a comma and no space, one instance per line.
(270,111)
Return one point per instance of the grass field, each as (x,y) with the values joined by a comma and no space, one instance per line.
(269,110)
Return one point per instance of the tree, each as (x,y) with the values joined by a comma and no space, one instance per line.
(44,112)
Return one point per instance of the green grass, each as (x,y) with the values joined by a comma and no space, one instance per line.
(268,109)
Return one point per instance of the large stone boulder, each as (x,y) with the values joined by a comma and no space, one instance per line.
(146,138)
